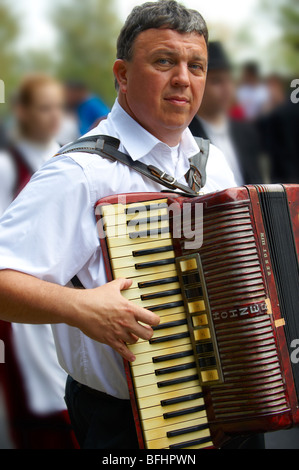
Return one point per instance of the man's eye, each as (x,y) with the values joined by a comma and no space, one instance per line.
(199,68)
(163,61)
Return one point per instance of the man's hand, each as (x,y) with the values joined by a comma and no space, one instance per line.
(111,319)
(103,313)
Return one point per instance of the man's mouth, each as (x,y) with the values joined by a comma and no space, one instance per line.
(178,100)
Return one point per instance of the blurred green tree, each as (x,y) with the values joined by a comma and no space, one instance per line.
(285,13)
(289,18)
(87,34)
(9,34)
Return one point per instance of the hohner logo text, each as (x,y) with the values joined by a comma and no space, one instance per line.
(241,312)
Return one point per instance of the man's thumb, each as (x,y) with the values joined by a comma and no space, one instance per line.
(124,283)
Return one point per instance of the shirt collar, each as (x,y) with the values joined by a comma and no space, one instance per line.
(138,142)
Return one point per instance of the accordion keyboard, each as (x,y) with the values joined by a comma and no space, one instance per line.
(166,383)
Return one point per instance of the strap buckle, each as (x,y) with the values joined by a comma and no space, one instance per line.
(162,175)
(168,179)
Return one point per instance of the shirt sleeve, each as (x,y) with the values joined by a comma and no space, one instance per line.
(49,231)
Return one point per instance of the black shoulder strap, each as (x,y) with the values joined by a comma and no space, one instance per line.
(198,164)
(107,147)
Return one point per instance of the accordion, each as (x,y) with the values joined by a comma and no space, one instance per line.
(221,271)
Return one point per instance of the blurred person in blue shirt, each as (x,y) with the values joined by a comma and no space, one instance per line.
(87,108)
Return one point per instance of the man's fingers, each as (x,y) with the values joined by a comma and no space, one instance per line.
(146,316)
(122,349)
(141,314)
(142,331)
(124,283)
(143,321)
(129,321)
(133,339)
(128,336)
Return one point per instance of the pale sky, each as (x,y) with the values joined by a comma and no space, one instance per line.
(227,11)
(233,15)
(39,32)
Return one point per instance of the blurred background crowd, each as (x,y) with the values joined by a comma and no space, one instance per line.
(56,62)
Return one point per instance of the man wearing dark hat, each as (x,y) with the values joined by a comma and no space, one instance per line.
(237,139)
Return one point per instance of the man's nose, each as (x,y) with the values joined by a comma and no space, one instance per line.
(181,75)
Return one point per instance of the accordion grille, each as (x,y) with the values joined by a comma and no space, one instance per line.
(231,260)
(253,382)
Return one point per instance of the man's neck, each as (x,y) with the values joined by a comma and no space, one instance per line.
(172,137)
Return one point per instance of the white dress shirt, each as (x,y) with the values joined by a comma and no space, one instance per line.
(50,230)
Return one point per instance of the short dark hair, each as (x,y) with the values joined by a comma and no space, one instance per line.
(251,68)
(29,84)
(163,13)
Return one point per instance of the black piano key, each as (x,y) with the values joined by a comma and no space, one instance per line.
(186,411)
(150,207)
(153,251)
(165,339)
(175,401)
(204,348)
(180,432)
(207,362)
(158,282)
(181,380)
(157,308)
(148,233)
(170,357)
(147,220)
(189,279)
(170,324)
(179,368)
(194,293)
(157,295)
(194,442)
(154,264)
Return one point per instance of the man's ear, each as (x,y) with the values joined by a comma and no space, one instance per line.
(120,69)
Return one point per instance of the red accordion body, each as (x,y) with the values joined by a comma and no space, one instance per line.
(222,362)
